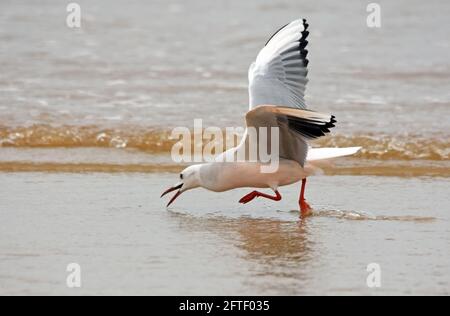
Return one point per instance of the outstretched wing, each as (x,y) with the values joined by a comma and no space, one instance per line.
(279,74)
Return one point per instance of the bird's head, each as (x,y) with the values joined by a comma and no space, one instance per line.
(189,179)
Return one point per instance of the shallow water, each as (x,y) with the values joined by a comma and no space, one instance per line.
(126,242)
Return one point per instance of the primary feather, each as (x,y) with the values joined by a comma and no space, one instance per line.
(279,74)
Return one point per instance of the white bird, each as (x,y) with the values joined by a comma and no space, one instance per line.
(277,81)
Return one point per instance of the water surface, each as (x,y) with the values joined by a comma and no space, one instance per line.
(116,228)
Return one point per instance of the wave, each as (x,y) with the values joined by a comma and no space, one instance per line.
(375,147)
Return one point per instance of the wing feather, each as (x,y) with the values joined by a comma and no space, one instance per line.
(295,126)
(279,74)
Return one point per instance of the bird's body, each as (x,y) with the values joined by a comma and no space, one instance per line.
(277,82)
(224,176)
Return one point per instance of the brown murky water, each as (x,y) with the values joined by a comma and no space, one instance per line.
(85,119)
(116,229)
(128,76)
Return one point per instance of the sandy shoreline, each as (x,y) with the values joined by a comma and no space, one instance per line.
(110,160)
(126,242)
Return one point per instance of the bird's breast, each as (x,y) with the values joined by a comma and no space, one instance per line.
(231,175)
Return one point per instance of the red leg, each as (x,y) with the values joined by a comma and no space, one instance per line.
(256,194)
(304,206)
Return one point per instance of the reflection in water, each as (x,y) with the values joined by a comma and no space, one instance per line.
(281,254)
(272,249)
(277,251)
(270,240)
(273,240)
(263,239)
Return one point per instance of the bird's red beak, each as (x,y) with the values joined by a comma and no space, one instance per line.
(176,187)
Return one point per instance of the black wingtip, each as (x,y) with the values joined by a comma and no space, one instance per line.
(303,53)
(305,24)
(304,32)
(276,33)
(303,43)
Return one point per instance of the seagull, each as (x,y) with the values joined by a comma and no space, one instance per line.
(277,82)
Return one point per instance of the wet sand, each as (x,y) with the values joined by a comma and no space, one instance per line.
(126,242)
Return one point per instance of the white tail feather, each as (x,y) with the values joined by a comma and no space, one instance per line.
(315,154)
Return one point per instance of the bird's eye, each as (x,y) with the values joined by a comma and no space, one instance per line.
(181,176)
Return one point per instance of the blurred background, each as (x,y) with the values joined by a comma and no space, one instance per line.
(135,69)
(140,66)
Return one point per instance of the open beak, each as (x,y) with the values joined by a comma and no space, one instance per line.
(176,187)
